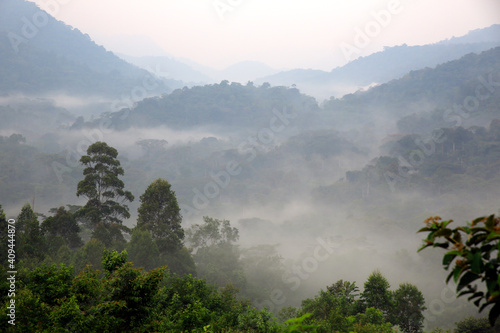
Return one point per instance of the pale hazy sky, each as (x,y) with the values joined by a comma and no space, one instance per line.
(280,33)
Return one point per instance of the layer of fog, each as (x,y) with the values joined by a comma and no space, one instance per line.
(77,105)
(292,220)
(359,245)
(324,91)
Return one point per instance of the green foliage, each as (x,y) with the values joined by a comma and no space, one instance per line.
(475,325)
(63,224)
(344,289)
(180,262)
(87,287)
(288,312)
(110,235)
(264,270)
(474,255)
(253,320)
(372,320)
(217,258)
(50,299)
(102,187)
(376,293)
(68,317)
(130,293)
(90,254)
(50,283)
(339,310)
(408,308)
(32,315)
(112,260)
(142,250)
(212,233)
(220,265)
(296,325)
(160,214)
(29,237)
(371,316)
(328,311)
(186,303)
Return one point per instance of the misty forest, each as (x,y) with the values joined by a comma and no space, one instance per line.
(147,195)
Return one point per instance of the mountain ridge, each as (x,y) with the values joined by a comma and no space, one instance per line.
(379,67)
(52,56)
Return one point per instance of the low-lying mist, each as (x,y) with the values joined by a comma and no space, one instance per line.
(320,244)
(319,198)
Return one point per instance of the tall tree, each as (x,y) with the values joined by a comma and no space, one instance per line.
(328,312)
(63,224)
(409,304)
(142,250)
(160,214)
(29,235)
(89,254)
(217,256)
(213,233)
(377,294)
(346,289)
(102,187)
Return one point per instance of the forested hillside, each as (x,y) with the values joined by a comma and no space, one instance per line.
(386,65)
(42,55)
(446,93)
(458,162)
(224,106)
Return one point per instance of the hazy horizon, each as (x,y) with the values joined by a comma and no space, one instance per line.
(219,33)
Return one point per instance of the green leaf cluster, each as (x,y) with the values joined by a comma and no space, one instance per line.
(473,257)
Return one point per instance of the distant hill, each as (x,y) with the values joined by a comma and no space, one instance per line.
(243,72)
(40,54)
(245,107)
(486,35)
(224,106)
(192,73)
(465,164)
(380,67)
(169,68)
(427,91)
